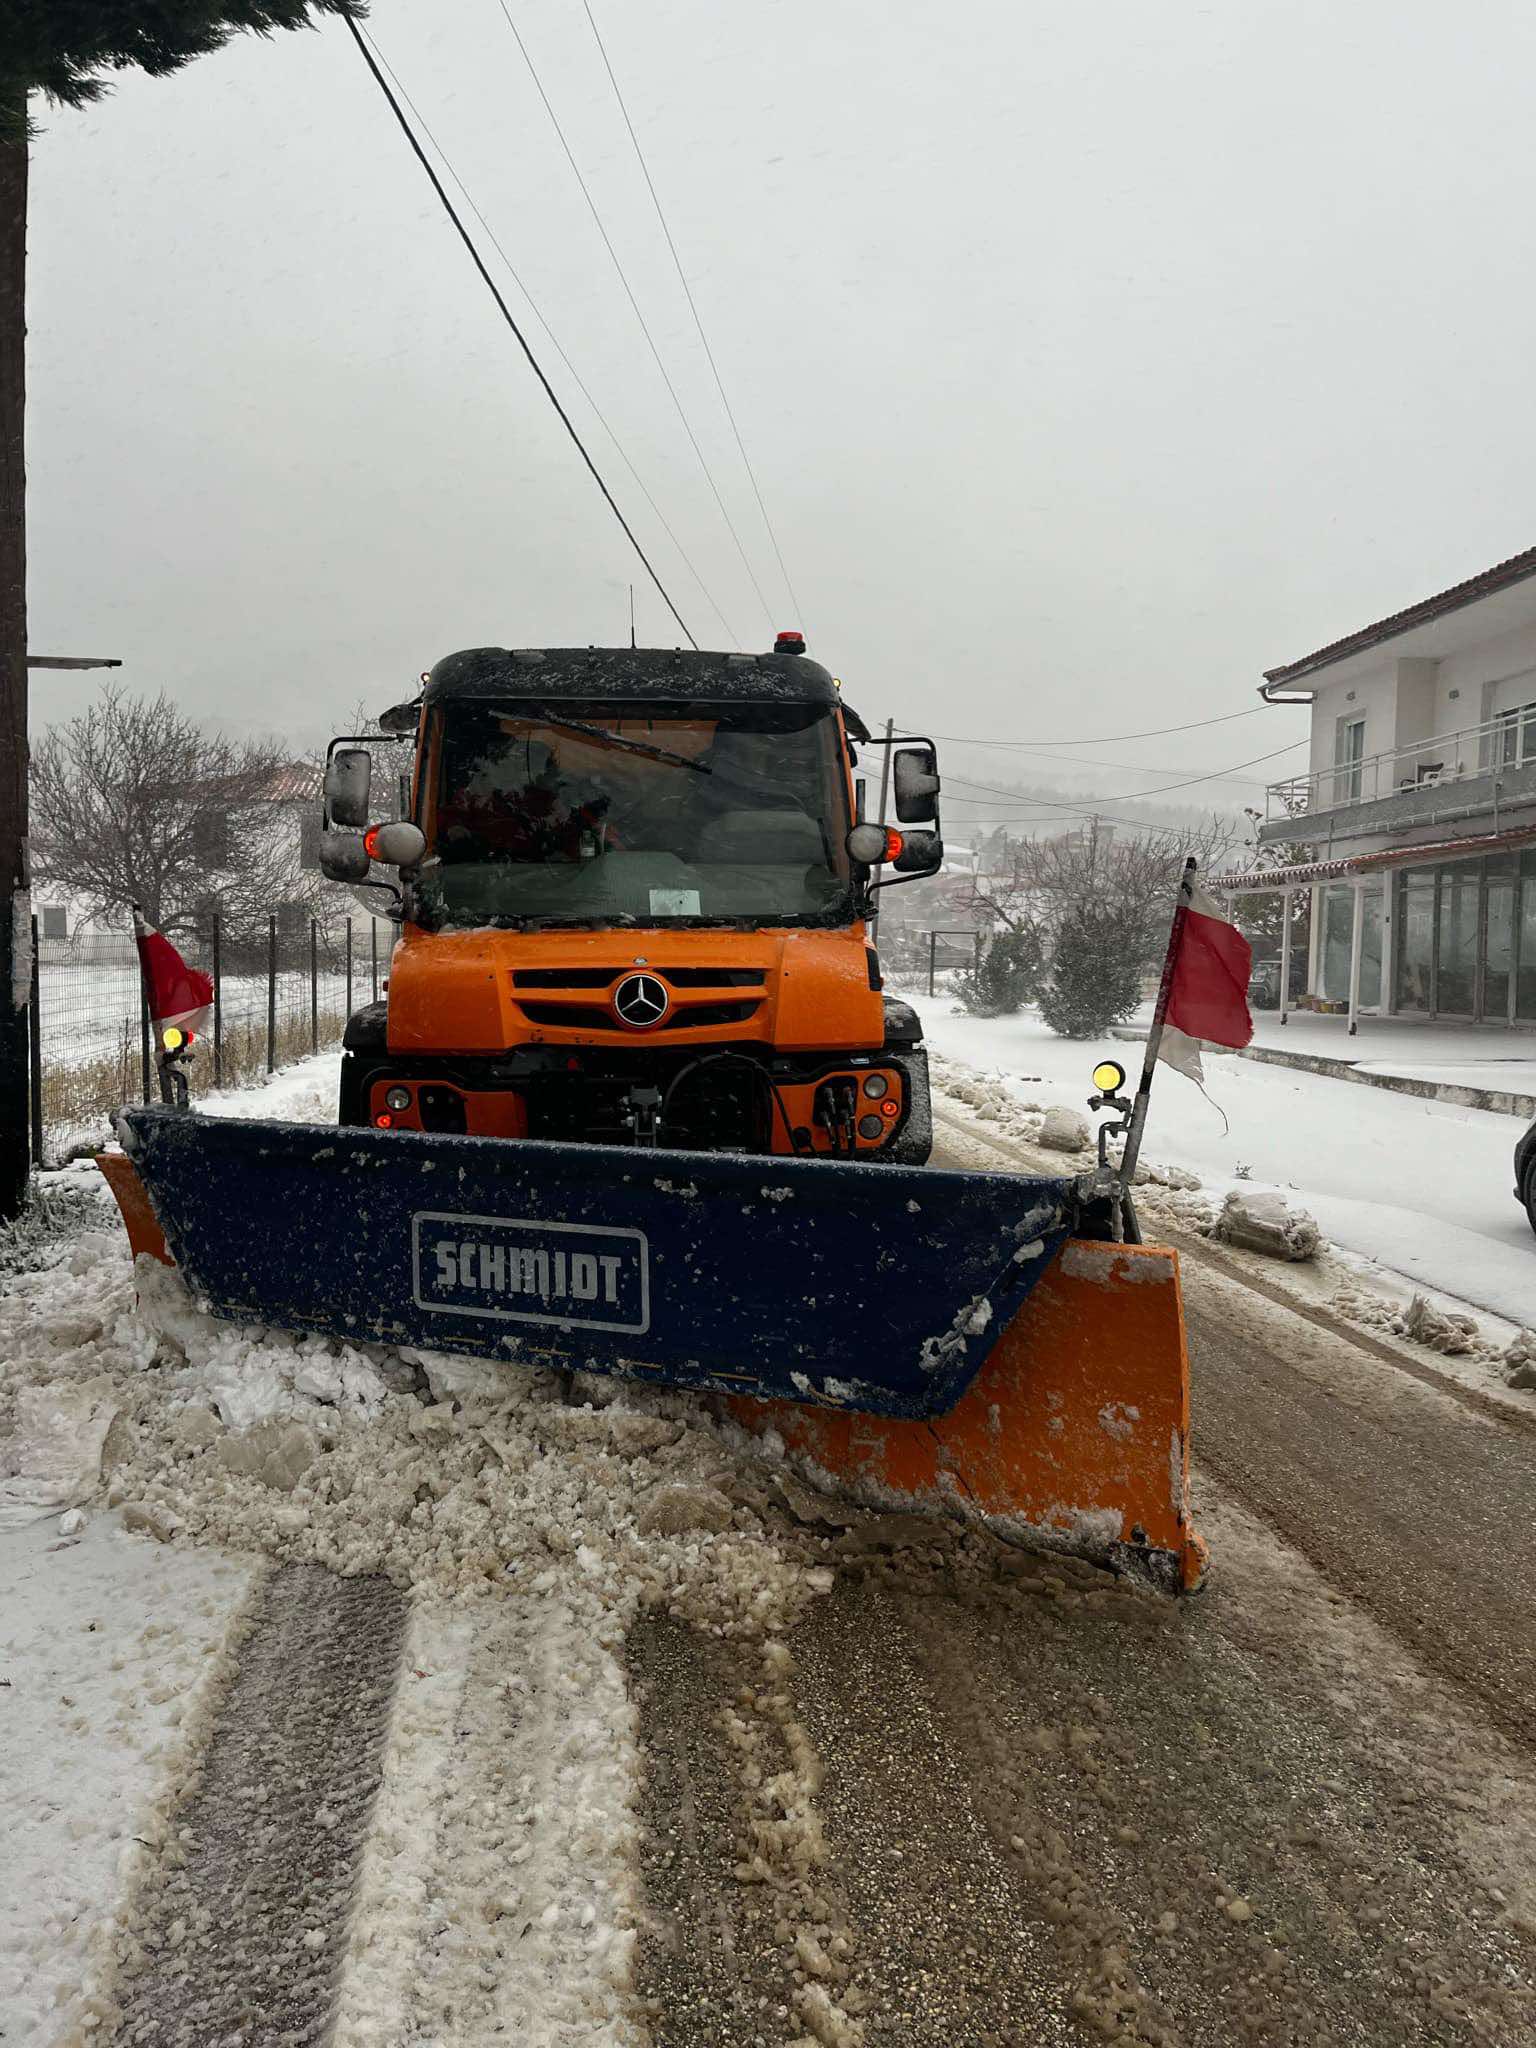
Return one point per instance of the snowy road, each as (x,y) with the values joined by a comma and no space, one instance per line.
(1407,1489)
(582,1726)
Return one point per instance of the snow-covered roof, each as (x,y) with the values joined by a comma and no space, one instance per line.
(1372,863)
(1515,570)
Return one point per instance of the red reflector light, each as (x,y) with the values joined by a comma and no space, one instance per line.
(889,1106)
(384,1120)
(371,842)
(893,842)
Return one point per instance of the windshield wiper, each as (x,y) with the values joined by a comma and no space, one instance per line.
(613,739)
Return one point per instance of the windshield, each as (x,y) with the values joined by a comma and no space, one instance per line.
(582,813)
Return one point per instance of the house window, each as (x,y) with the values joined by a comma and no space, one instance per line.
(1515,731)
(309,838)
(210,839)
(1348,754)
(55,922)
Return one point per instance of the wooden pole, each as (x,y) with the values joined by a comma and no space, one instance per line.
(271,991)
(35,1053)
(218,999)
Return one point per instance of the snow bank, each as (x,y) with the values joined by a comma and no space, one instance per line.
(1421,1188)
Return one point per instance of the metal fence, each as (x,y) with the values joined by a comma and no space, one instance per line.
(276,998)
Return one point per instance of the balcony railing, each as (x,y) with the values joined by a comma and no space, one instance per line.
(1448,758)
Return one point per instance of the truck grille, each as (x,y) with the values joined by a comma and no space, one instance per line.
(605,977)
(588,1017)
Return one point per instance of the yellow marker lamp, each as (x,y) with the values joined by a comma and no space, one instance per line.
(173,1038)
(1109,1077)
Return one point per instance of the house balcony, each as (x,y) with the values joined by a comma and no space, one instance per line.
(1471,777)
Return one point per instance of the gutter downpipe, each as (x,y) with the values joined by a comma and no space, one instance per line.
(1356,932)
(1285,952)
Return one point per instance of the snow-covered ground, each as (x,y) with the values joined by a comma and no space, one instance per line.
(1465,1055)
(526,1528)
(110,1649)
(1423,1189)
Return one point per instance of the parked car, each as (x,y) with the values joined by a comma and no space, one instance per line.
(1525,1173)
(1264,982)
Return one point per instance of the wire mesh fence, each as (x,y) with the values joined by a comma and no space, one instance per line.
(277,997)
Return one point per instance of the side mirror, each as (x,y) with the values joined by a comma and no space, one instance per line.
(343,857)
(915,783)
(922,853)
(348,781)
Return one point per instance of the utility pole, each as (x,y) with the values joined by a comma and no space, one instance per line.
(885,772)
(885,791)
(15,906)
(18,966)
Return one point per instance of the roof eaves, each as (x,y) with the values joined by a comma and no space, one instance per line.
(1499,577)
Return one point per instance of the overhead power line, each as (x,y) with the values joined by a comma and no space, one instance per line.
(506,313)
(1096,739)
(1140,795)
(693,440)
(682,278)
(554,339)
(1083,761)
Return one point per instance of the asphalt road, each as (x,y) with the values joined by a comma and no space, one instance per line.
(1412,1497)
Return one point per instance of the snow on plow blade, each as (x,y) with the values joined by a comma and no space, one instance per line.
(859,1296)
(1074,1435)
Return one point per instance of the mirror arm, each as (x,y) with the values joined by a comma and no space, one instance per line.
(917,875)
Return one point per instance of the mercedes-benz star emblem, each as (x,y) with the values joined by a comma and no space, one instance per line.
(640,1001)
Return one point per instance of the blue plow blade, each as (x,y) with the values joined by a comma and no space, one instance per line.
(877,1288)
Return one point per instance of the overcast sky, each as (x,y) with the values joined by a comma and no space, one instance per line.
(1092,359)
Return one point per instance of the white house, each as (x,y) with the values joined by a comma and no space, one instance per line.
(1418,808)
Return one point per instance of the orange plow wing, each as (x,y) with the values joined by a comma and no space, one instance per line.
(1073,1436)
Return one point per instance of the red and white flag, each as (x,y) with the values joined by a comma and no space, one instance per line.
(1207,995)
(176,993)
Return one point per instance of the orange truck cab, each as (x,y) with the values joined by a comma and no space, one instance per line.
(635,895)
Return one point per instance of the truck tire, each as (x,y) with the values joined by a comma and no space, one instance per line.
(364,1047)
(1529,1194)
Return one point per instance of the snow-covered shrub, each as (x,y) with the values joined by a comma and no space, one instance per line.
(1007,976)
(1095,977)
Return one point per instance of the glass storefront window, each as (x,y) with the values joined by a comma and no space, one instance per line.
(1459,891)
(1338,917)
(1525,972)
(1338,923)
(1370,948)
(1415,952)
(1499,938)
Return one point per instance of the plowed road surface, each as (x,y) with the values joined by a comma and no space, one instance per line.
(997,1800)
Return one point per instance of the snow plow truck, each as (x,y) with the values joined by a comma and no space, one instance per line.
(635,1101)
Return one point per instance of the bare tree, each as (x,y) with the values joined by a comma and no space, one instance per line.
(1127,878)
(1261,914)
(134,802)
